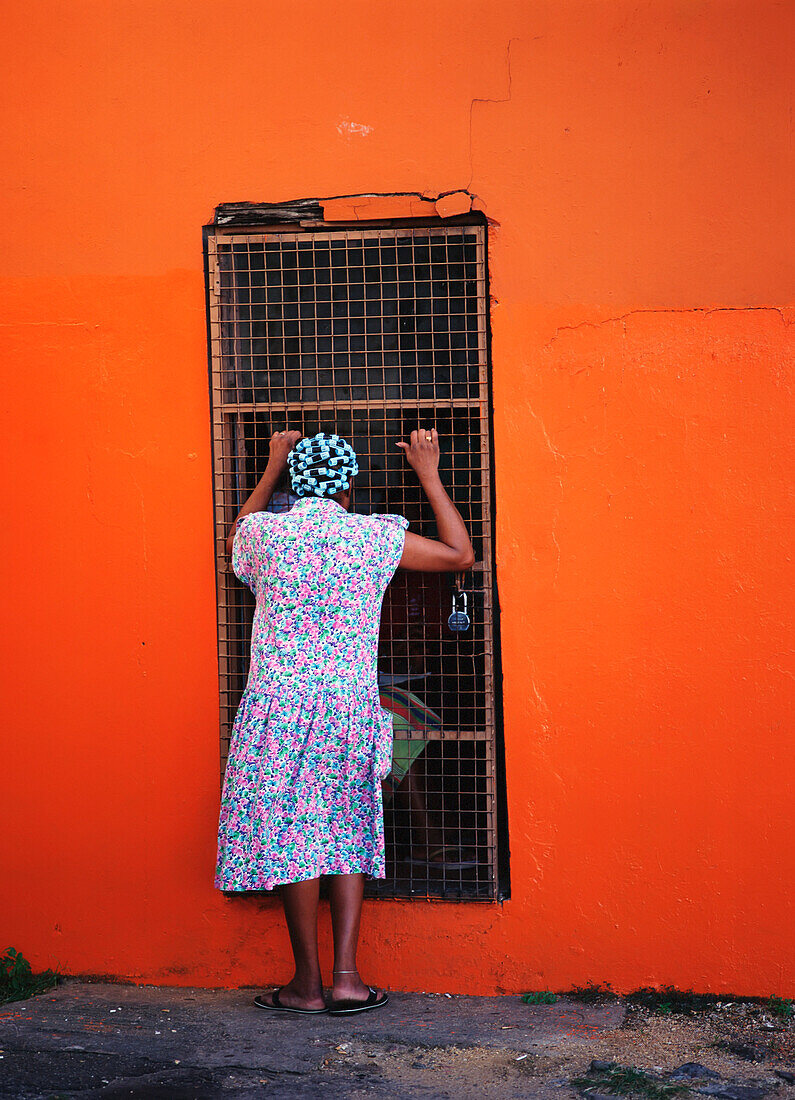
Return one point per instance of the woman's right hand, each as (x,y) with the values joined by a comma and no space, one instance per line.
(452,551)
(423,451)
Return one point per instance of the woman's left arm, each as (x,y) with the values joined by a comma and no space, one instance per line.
(280,446)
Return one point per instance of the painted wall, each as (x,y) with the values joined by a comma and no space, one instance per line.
(635,160)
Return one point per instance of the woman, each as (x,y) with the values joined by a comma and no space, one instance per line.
(311,742)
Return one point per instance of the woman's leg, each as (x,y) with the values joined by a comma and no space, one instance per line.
(345,896)
(305,990)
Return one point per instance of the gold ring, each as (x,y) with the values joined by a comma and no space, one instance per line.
(428,437)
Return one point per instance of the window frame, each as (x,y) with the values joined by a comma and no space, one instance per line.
(228,496)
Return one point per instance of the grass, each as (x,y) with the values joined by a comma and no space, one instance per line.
(542,997)
(591,993)
(627,1081)
(669,1001)
(17,980)
(781,1007)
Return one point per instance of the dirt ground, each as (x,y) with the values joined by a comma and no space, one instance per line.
(89,1040)
(645,1040)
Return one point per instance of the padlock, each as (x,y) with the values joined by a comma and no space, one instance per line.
(459,620)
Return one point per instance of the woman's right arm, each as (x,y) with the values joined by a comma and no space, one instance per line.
(452,552)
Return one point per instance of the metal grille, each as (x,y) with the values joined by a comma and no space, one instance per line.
(371,332)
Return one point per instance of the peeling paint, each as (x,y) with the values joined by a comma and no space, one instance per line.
(351,129)
(374,207)
(457,202)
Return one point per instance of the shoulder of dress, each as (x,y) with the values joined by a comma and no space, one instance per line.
(261,517)
(253,520)
(390,517)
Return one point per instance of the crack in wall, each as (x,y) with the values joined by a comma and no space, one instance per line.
(472,103)
(685,309)
(556,455)
(548,441)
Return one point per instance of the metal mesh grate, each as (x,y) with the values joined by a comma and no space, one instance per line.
(371,333)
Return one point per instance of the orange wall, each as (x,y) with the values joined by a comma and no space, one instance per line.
(636,163)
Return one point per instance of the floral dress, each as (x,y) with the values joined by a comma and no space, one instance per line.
(311,741)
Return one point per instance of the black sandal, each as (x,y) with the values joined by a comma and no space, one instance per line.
(350,1008)
(277,1006)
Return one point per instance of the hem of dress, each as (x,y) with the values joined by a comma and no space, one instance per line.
(270,882)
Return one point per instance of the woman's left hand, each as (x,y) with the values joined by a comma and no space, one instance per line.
(280,446)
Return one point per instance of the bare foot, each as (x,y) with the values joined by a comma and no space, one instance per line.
(295,997)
